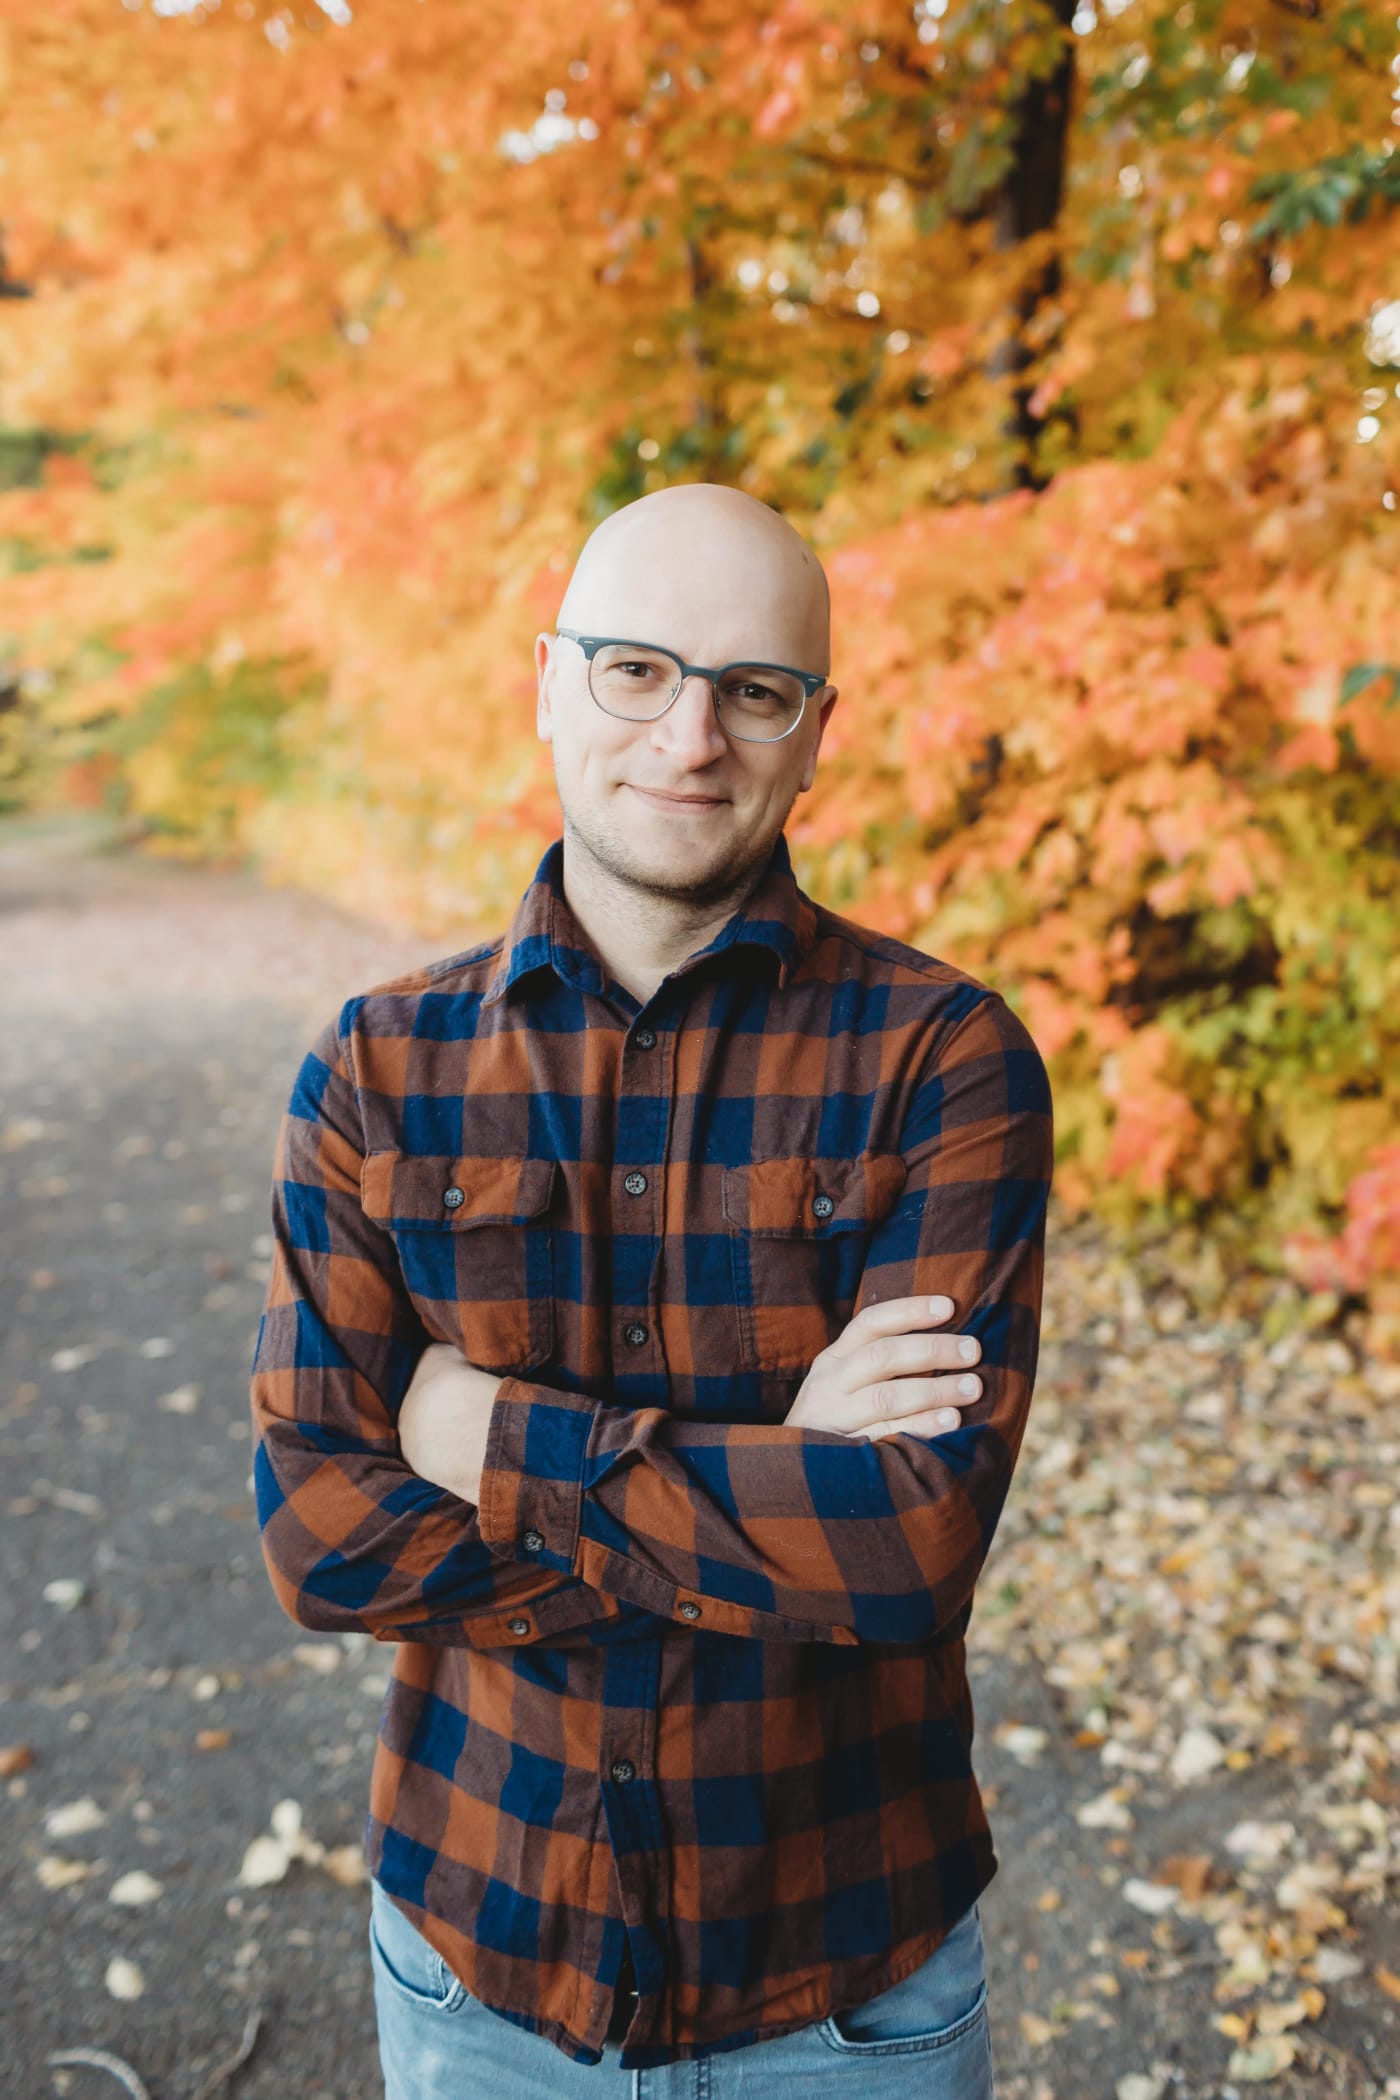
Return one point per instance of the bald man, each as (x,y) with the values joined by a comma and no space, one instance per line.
(650,1338)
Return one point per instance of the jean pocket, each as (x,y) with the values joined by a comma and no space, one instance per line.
(404,1959)
(939,2004)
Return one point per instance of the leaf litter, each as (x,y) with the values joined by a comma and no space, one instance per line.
(1199,1557)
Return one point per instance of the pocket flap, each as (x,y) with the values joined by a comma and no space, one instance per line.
(795,1197)
(406,1191)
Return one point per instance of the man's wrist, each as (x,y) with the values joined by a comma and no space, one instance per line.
(445,1421)
(532,1483)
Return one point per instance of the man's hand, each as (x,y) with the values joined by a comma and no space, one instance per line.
(444,1419)
(885,1373)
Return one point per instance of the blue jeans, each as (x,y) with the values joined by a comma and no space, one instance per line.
(925,2038)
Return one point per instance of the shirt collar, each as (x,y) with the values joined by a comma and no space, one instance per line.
(779,919)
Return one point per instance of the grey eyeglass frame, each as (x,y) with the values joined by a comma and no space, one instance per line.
(812,681)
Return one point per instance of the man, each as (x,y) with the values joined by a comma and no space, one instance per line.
(606,1371)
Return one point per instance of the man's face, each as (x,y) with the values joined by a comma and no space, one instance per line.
(676,806)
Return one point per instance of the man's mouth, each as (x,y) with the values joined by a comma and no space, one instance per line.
(671,800)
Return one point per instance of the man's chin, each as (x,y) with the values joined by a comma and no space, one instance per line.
(664,857)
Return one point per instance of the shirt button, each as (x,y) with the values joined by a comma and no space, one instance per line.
(636,1184)
(453,1198)
(634,1334)
(690,1611)
(532,1540)
(645,1039)
(519,1625)
(823,1206)
(623,1768)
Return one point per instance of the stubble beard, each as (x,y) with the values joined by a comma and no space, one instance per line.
(726,873)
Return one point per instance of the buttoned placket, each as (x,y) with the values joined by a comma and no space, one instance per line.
(626,1745)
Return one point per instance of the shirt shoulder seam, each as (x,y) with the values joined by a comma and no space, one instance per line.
(426,976)
(883,948)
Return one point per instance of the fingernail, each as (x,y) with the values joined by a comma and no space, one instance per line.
(968,1384)
(967,1349)
(940,1307)
(949,1420)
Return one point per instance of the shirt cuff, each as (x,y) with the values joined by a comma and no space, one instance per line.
(532,1473)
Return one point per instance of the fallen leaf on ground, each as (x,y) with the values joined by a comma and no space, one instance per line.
(134,1888)
(1149,1896)
(1106,1811)
(53,1872)
(1335,1965)
(346,1864)
(1260,1842)
(321,1656)
(1263,2060)
(1188,1871)
(75,1358)
(73,1818)
(1198,1753)
(1018,1740)
(124,1978)
(266,1860)
(181,1400)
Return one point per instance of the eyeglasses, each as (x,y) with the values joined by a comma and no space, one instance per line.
(637,682)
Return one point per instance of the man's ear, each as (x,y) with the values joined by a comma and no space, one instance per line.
(809,771)
(544,672)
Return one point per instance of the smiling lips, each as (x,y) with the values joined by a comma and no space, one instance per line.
(678,801)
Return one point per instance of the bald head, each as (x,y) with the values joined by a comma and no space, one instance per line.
(669,818)
(707,571)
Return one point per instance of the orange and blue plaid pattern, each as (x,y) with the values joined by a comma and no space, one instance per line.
(689,1682)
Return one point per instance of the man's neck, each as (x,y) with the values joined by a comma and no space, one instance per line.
(641,938)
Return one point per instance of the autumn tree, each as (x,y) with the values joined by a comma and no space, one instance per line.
(1061,333)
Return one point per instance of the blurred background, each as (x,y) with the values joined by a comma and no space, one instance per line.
(1070,338)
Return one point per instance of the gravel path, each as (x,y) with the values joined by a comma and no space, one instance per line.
(158,1705)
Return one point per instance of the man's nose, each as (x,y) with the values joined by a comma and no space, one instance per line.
(690,728)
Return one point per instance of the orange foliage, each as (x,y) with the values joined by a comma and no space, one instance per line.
(342,334)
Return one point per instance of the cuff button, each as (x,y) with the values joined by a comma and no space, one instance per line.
(532,1540)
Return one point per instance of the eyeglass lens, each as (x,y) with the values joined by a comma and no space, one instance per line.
(755,701)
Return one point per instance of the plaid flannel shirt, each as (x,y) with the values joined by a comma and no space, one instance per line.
(687,1681)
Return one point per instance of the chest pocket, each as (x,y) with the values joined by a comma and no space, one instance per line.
(475,1247)
(799,1229)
